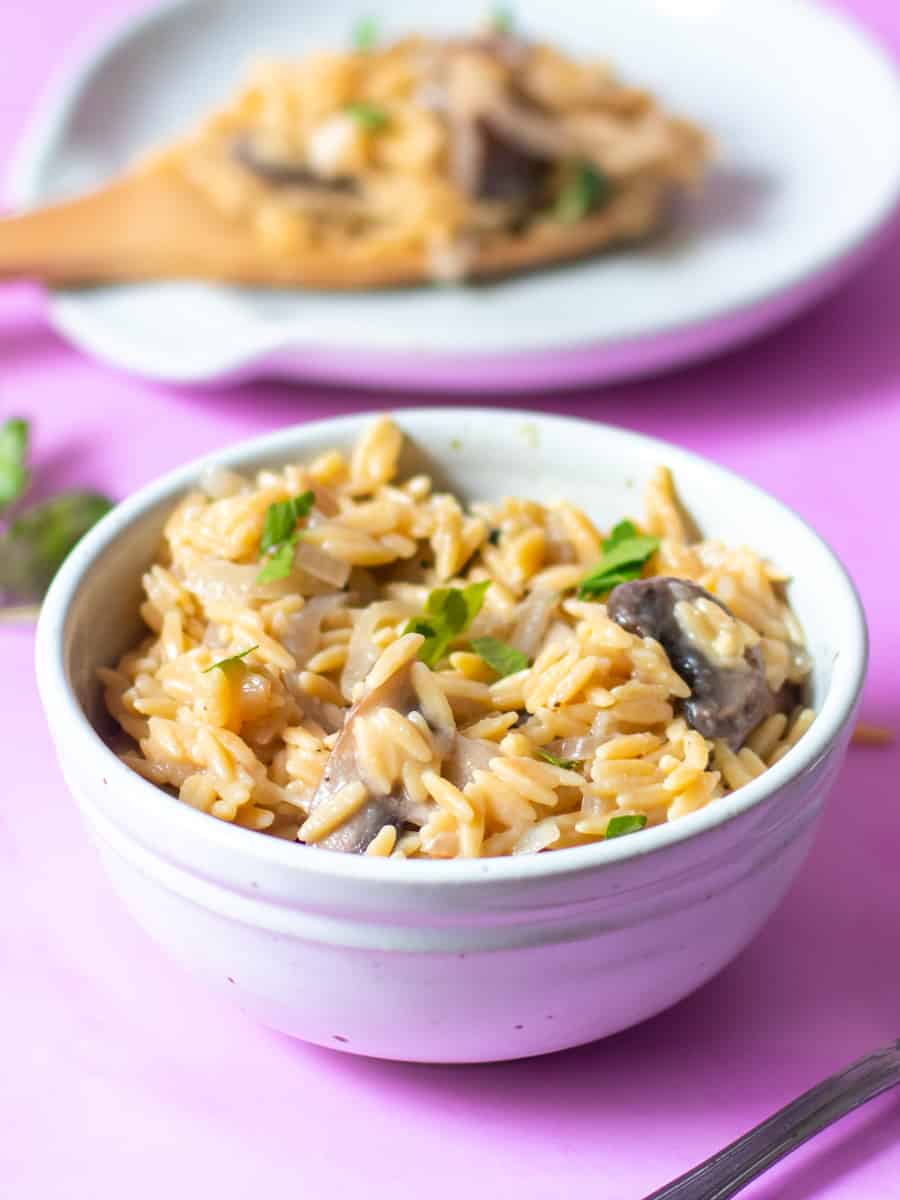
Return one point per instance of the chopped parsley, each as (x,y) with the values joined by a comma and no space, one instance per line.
(624,553)
(280,536)
(370,117)
(499,656)
(365,34)
(586,189)
(224,663)
(567,764)
(448,612)
(13,452)
(629,823)
(494,537)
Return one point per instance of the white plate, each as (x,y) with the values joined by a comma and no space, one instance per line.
(806,110)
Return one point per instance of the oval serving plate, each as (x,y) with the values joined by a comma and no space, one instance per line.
(794,200)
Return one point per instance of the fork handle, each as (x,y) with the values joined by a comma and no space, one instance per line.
(731,1169)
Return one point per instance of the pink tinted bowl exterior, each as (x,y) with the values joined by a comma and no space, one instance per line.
(459,961)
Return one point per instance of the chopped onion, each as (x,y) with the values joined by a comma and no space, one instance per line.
(218,580)
(329,143)
(329,716)
(586,745)
(532,619)
(302,629)
(322,565)
(578,748)
(362,651)
(468,756)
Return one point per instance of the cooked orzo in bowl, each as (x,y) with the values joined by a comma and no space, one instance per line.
(351,657)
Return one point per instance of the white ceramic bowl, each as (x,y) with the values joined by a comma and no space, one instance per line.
(455,961)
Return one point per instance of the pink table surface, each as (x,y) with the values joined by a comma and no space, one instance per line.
(119,1077)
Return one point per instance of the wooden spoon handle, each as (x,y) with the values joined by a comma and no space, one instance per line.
(72,241)
(145,225)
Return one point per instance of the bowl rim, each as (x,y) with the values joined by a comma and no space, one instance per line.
(64,712)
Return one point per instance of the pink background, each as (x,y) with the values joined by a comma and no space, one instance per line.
(120,1078)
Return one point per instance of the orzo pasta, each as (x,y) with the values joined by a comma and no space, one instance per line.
(369,665)
(428,158)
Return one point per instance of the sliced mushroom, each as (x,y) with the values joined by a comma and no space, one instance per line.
(490,165)
(342,768)
(726,702)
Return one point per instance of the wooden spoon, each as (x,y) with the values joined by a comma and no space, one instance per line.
(152,224)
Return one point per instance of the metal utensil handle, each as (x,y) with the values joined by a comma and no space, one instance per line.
(726,1173)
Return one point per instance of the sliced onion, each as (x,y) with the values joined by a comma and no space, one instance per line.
(322,565)
(362,651)
(330,716)
(579,748)
(532,619)
(217,580)
(302,629)
(468,756)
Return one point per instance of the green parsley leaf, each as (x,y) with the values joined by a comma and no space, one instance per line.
(624,553)
(224,663)
(500,657)
(501,19)
(473,595)
(32,549)
(567,764)
(365,34)
(629,823)
(279,562)
(370,117)
(281,519)
(13,450)
(494,537)
(587,189)
(448,613)
(280,536)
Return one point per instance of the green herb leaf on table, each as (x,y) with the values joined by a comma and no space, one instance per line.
(627,823)
(32,549)
(624,553)
(370,117)
(586,190)
(500,656)
(365,34)
(448,612)
(13,453)
(567,764)
(225,663)
(280,536)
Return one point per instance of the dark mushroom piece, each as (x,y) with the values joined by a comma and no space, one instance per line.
(461,755)
(725,702)
(358,830)
(490,165)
